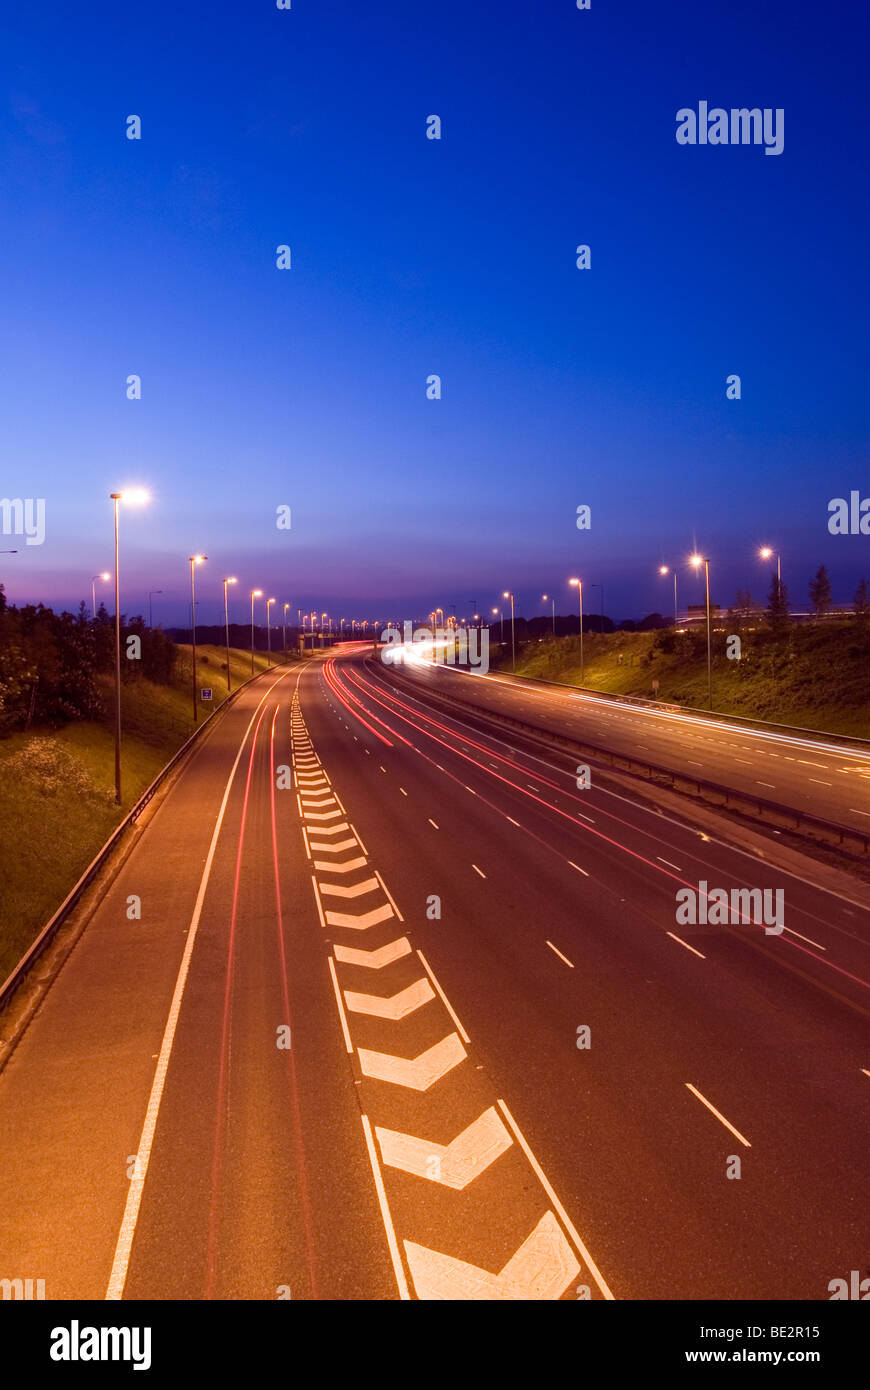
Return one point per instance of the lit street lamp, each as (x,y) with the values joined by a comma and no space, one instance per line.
(269,602)
(194,561)
(255,593)
(665,569)
(133,497)
(544,597)
(698,560)
(579,583)
(284,624)
(94,577)
(227,630)
(509,595)
(766,553)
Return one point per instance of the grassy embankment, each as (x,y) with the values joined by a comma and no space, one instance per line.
(58,802)
(817,677)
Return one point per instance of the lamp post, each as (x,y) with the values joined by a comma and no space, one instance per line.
(579,583)
(766,552)
(269,602)
(255,593)
(544,597)
(133,497)
(227,630)
(665,569)
(194,561)
(509,595)
(151,593)
(697,561)
(284,624)
(94,577)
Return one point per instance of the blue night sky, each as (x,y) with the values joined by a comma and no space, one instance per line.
(307,387)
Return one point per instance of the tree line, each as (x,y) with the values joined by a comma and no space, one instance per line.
(53,666)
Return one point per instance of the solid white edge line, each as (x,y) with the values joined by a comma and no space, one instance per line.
(719,1115)
(338,999)
(317,900)
(124,1243)
(358,838)
(398,1268)
(686,944)
(445,1001)
(565,1218)
(389,896)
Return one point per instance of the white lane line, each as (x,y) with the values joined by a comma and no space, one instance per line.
(743,760)
(577,867)
(305,838)
(389,895)
(565,1219)
(856,812)
(478,871)
(719,1115)
(432,822)
(865,1071)
(765,784)
(402,790)
(124,1245)
(338,999)
(383,769)
(512,821)
(819,783)
(693,763)
(686,944)
(317,900)
(398,1268)
(470,789)
(805,763)
(445,1001)
(669,864)
(359,839)
(559,954)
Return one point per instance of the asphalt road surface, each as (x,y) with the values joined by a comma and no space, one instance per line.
(810,773)
(406,1014)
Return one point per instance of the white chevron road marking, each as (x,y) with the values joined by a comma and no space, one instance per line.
(455,1164)
(397,1007)
(352,890)
(321,815)
(374,960)
(416,1073)
(360,921)
(345,867)
(541,1269)
(331,830)
(338,848)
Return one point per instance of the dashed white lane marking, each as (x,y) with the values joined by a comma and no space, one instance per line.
(719,1116)
(559,954)
(686,944)
(765,784)
(478,871)
(819,783)
(386,1217)
(344,1028)
(865,1071)
(859,813)
(455,1164)
(542,1268)
(402,790)
(432,822)
(577,867)
(669,864)
(374,960)
(394,1007)
(415,1073)
(512,821)
(808,939)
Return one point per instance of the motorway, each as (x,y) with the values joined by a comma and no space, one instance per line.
(808,772)
(406,1014)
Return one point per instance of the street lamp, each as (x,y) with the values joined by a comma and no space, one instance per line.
(665,569)
(134,497)
(94,577)
(255,593)
(509,595)
(284,624)
(544,597)
(269,602)
(697,561)
(194,561)
(227,630)
(579,583)
(766,553)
